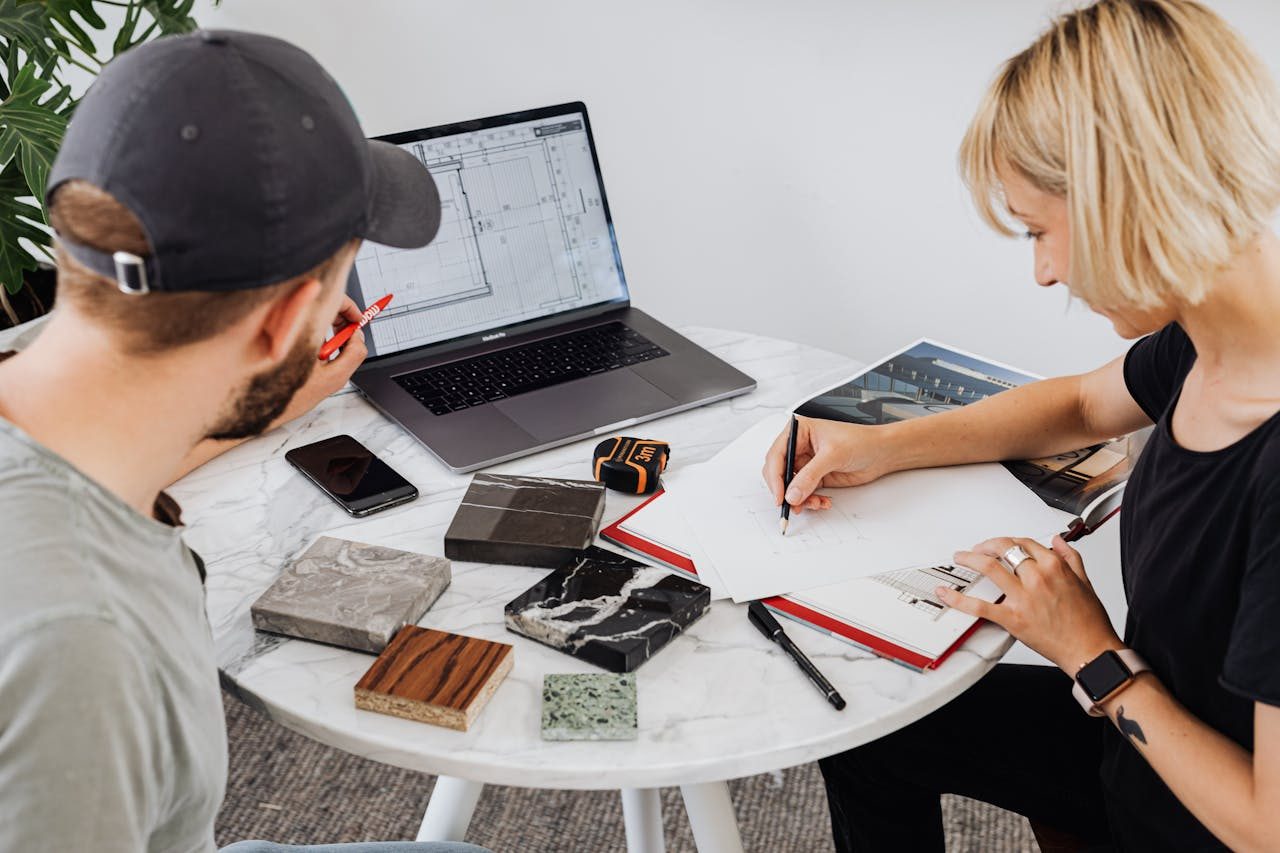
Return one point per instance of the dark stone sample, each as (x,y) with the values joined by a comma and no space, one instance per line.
(524,521)
(608,610)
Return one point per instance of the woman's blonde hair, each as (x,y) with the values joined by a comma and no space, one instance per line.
(1159,127)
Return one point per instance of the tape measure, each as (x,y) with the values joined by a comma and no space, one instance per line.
(630,464)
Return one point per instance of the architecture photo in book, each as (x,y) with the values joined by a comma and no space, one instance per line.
(928,377)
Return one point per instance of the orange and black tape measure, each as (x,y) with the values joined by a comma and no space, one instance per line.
(630,464)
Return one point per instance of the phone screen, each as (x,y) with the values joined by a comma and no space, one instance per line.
(351,474)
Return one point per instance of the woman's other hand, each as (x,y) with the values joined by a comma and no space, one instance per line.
(1049,604)
(828,453)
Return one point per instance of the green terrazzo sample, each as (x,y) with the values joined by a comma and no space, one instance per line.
(590,706)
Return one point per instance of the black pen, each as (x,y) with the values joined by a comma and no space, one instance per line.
(764,621)
(788,473)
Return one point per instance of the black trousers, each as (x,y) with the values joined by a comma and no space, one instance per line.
(1015,739)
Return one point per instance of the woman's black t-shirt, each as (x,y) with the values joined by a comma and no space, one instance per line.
(1200,550)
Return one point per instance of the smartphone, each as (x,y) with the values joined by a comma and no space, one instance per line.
(348,472)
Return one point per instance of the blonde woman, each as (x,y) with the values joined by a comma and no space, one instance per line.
(1138,142)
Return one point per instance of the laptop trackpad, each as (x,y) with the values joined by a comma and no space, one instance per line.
(585,404)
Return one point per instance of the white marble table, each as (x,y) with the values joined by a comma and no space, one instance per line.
(720,702)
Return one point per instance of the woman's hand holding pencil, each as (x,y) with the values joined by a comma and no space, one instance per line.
(827,454)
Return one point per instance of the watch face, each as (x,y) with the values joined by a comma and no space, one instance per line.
(1101,676)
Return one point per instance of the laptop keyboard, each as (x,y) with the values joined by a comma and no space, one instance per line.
(519,370)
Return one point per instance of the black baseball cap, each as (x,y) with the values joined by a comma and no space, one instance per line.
(242,159)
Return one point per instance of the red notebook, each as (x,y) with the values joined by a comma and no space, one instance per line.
(829,619)
(895,615)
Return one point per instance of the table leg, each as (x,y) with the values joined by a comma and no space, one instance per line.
(642,816)
(449,810)
(715,826)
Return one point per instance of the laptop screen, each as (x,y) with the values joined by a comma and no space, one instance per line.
(525,233)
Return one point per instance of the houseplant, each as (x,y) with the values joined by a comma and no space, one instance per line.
(43,43)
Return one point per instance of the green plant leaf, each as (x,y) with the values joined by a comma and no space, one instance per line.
(124,36)
(31,129)
(65,12)
(173,16)
(28,35)
(26,26)
(18,218)
(167,17)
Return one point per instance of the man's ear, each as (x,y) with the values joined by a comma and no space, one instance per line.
(286,319)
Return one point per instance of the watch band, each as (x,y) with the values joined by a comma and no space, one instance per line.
(1132,661)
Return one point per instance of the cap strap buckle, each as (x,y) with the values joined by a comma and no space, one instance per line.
(131,273)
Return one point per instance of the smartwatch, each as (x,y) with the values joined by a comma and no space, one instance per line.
(1104,676)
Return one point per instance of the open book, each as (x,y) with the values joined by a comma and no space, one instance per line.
(895,613)
(928,377)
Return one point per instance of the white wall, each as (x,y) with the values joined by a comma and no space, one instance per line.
(785,168)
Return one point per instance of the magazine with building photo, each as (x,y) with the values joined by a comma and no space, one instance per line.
(928,377)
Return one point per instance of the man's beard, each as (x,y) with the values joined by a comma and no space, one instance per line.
(267,394)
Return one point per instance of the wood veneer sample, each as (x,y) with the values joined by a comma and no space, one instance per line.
(434,677)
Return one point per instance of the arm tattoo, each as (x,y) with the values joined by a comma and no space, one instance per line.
(1129,728)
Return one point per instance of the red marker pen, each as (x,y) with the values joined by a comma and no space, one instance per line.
(344,334)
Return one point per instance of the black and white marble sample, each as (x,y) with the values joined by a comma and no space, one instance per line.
(524,521)
(350,594)
(608,609)
(589,706)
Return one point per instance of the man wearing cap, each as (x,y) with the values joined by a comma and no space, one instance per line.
(208,198)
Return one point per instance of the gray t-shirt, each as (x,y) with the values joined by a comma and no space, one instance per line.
(111,729)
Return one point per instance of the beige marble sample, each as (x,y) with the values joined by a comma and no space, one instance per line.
(350,594)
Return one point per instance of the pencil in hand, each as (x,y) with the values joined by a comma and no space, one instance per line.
(344,334)
(788,473)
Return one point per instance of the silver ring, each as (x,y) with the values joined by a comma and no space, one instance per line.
(1014,557)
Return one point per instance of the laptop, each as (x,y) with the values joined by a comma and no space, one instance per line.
(513,331)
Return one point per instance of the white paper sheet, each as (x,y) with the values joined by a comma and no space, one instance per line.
(663,522)
(906,519)
(899,606)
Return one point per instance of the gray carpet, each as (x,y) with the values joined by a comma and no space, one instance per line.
(290,789)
